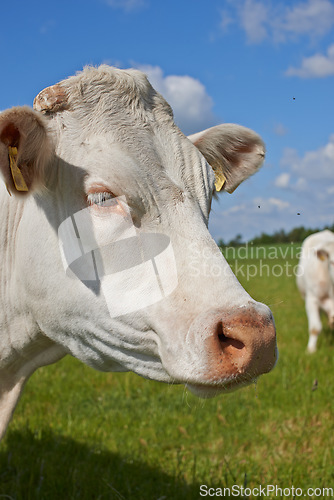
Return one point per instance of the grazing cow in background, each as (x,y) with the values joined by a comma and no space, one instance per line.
(315,280)
(104,241)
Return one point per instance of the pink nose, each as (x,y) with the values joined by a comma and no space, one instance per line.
(238,346)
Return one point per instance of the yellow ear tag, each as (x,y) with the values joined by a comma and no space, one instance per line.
(220,180)
(321,256)
(18,178)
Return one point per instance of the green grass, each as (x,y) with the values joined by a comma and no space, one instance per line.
(80,434)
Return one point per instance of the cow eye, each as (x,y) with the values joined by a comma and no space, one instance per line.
(103,199)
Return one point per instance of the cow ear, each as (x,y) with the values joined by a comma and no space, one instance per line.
(322,254)
(234,153)
(25,149)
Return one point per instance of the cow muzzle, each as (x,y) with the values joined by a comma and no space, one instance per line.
(232,348)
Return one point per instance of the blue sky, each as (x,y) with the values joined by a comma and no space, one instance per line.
(268,65)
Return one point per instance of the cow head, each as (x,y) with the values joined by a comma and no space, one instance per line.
(116,263)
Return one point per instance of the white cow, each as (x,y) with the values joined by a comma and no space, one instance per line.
(315,280)
(105,246)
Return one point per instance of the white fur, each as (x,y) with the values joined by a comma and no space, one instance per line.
(315,280)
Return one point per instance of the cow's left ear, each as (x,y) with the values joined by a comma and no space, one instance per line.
(234,153)
(25,149)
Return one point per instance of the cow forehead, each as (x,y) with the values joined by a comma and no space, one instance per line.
(107,90)
(122,107)
(106,100)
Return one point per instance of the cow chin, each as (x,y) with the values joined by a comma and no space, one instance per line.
(211,391)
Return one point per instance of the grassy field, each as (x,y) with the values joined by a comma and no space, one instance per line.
(80,434)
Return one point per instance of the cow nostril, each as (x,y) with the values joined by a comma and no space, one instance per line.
(228,341)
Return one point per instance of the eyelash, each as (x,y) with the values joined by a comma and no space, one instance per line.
(99,198)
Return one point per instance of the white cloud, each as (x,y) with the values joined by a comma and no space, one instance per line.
(314,166)
(279,204)
(236,209)
(282,181)
(127,5)
(267,206)
(254,16)
(280,129)
(308,182)
(268,19)
(314,17)
(226,20)
(301,184)
(270,205)
(192,106)
(316,66)
(250,217)
(266,215)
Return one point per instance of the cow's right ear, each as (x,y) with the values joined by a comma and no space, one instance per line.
(25,149)
(322,254)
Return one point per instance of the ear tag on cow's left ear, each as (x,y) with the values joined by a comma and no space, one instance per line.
(18,178)
(220,181)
